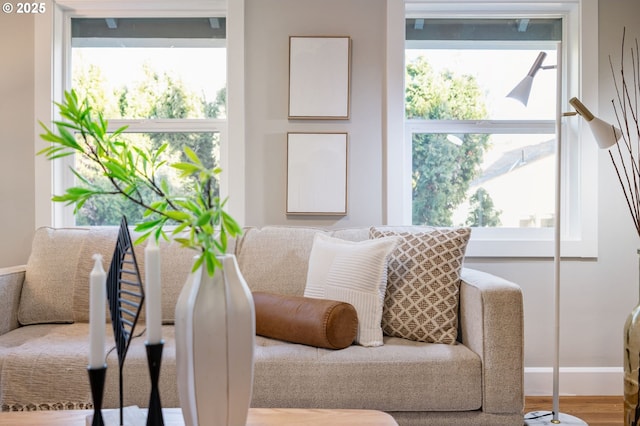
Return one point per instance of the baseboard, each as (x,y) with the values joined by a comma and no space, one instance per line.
(574,381)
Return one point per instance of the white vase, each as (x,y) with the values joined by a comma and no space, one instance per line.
(215,335)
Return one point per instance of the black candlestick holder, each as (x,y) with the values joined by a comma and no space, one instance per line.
(154,358)
(96,381)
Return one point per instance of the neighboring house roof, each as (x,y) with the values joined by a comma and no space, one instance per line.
(514,159)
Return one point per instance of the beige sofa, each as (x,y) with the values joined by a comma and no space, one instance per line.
(44,338)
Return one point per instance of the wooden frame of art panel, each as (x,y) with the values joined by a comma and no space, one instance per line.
(317,173)
(319,77)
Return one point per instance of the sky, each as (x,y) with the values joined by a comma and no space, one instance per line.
(498,71)
(203,70)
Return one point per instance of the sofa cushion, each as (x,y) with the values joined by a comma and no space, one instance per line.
(421,302)
(46,367)
(56,286)
(275,258)
(402,375)
(316,322)
(50,276)
(176,263)
(351,234)
(352,272)
(102,241)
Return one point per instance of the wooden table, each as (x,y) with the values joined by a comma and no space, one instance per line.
(257,417)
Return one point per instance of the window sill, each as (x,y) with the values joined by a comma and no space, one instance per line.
(531,243)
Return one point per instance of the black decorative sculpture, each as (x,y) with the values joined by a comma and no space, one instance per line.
(126,295)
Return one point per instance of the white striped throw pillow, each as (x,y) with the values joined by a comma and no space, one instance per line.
(352,272)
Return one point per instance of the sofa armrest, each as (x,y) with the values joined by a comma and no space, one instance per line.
(492,325)
(11,280)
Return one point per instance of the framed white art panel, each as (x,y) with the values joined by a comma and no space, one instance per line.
(317,173)
(319,77)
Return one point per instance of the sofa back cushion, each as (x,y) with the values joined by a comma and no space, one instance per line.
(175,266)
(102,241)
(351,234)
(49,280)
(275,258)
(56,287)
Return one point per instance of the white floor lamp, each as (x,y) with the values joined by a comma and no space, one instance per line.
(605,138)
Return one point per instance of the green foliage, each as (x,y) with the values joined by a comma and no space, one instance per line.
(135,174)
(482,210)
(218,108)
(157,95)
(442,171)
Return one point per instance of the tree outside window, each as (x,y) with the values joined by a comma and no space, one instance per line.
(442,169)
(157,88)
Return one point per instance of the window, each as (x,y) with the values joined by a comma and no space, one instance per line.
(163,78)
(175,72)
(473,156)
(458,73)
(115,44)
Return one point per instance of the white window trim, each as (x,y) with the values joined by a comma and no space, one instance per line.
(51,37)
(579,232)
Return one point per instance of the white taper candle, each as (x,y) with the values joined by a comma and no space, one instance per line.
(153,292)
(97,300)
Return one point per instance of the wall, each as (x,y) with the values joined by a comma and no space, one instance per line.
(17,129)
(267,59)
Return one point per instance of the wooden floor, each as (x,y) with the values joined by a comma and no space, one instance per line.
(594,410)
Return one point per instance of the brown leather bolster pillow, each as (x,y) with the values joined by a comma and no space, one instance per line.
(314,322)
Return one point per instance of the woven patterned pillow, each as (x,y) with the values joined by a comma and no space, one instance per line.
(421,302)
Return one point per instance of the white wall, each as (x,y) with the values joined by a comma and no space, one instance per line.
(17,126)
(268,26)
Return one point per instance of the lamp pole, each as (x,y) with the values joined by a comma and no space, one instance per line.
(542,417)
(557,255)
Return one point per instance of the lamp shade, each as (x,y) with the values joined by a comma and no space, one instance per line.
(606,134)
(522,90)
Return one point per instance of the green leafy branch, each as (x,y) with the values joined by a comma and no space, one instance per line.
(202,222)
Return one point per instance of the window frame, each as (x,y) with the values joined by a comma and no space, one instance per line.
(579,156)
(53,53)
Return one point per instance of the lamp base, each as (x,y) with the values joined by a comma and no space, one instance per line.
(546,418)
